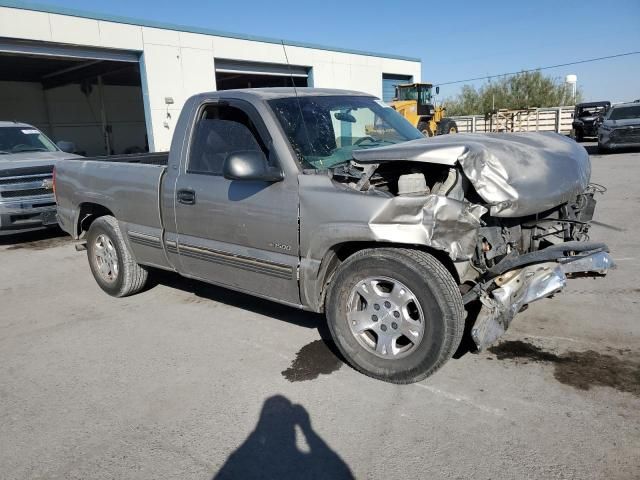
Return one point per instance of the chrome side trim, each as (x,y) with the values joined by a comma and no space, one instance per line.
(171,246)
(144,239)
(246,263)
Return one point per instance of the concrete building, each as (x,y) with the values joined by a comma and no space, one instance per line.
(113,84)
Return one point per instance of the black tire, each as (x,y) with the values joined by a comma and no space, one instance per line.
(425,129)
(438,296)
(579,135)
(602,149)
(130,277)
(447,126)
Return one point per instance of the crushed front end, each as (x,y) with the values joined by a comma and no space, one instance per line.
(521,260)
(512,211)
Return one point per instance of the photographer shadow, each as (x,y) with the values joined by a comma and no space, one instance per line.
(270,451)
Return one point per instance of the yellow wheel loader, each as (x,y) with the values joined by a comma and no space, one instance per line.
(414,102)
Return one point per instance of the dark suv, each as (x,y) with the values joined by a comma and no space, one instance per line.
(620,128)
(586,119)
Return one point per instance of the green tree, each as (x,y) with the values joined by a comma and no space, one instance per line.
(524,90)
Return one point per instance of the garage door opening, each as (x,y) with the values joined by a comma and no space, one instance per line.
(231,74)
(389,82)
(90,98)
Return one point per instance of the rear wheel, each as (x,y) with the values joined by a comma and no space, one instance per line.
(395,314)
(111,262)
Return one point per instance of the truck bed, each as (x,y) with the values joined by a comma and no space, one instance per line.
(127,185)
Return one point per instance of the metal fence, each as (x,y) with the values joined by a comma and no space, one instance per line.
(556,119)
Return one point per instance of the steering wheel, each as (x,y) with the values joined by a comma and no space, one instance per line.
(364,139)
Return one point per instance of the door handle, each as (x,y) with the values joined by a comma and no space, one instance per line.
(187,197)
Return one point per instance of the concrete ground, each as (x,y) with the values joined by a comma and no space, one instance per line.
(192,381)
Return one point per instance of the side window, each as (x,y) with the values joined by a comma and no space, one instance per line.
(220,131)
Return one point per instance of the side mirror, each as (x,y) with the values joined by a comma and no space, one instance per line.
(68,147)
(250,165)
(438,90)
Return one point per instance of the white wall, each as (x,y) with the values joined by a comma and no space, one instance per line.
(65,113)
(180,64)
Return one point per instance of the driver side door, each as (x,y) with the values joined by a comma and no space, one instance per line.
(242,234)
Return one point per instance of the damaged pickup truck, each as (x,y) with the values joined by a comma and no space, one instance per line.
(330,201)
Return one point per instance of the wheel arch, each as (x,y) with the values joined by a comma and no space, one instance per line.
(88,212)
(316,289)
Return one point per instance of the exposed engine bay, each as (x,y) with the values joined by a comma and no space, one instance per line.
(498,236)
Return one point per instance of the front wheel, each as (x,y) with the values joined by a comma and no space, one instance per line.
(425,128)
(447,127)
(395,314)
(111,262)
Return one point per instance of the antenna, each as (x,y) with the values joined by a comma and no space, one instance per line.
(286,57)
(295,91)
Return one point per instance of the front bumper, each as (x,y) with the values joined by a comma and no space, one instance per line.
(518,287)
(31,212)
(619,138)
(614,146)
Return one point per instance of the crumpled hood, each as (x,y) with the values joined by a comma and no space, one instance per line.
(517,174)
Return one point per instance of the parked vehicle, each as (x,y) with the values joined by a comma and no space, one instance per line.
(27,158)
(586,119)
(283,195)
(620,127)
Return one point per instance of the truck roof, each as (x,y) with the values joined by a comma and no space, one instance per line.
(285,92)
(626,104)
(11,123)
(593,104)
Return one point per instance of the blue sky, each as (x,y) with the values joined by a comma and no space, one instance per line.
(455,40)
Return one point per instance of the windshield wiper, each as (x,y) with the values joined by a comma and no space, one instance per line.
(375,144)
(3,152)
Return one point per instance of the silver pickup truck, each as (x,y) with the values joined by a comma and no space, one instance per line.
(27,158)
(330,201)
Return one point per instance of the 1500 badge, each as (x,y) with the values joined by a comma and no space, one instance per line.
(280,246)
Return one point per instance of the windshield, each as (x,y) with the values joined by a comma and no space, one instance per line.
(625,113)
(407,93)
(325,130)
(590,111)
(421,93)
(24,139)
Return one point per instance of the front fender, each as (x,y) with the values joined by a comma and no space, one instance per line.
(333,214)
